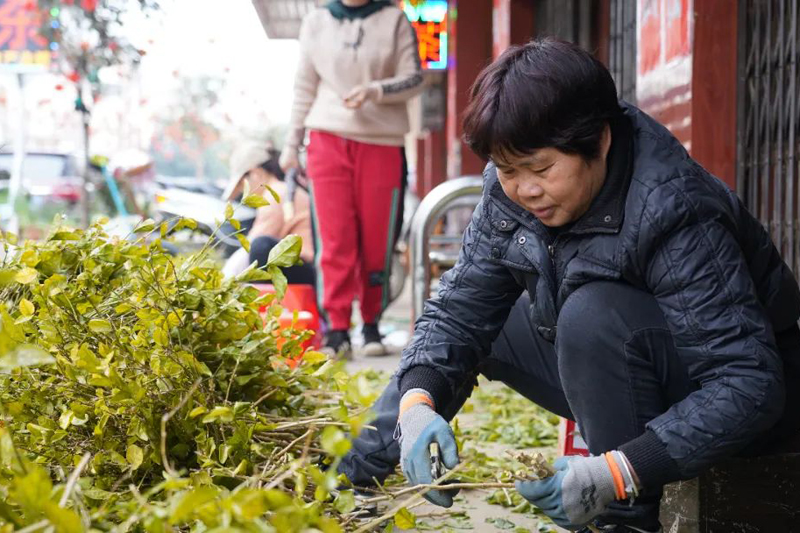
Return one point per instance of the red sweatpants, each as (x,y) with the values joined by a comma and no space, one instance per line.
(356,193)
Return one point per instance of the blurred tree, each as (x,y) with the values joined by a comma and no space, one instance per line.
(188,141)
(87,35)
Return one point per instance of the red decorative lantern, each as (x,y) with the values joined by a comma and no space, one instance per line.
(74,77)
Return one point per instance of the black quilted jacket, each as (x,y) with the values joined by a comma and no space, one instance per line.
(661,223)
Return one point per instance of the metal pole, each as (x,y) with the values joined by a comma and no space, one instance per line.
(429,211)
(15,183)
(86,166)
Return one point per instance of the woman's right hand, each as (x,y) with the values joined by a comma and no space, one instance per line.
(289,159)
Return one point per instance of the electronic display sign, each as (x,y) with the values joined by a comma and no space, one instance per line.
(429,19)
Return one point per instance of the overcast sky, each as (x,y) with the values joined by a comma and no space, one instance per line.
(223,39)
(187,38)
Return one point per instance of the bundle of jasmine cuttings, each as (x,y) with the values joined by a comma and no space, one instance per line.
(536,466)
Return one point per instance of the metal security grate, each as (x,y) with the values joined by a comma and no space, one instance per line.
(767,164)
(622,47)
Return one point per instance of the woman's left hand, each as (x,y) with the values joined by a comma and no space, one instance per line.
(359,95)
(580,490)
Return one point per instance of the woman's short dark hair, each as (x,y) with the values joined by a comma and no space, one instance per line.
(271,165)
(547,93)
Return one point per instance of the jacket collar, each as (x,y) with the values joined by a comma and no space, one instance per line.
(608,208)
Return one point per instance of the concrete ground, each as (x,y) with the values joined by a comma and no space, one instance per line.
(480,516)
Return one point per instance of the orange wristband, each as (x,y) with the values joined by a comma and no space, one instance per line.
(619,483)
(414,399)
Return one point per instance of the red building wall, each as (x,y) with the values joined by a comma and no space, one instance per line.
(687,77)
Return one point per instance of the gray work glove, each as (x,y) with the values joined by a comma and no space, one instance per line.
(420,426)
(579,491)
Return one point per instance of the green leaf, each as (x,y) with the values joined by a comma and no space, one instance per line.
(279,281)
(287,252)
(160,336)
(65,236)
(345,501)
(146,226)
(236,224)
(32,490)
(501,523)
(253,274)
(24,356)
(135,456)
(243,241)
(64,520)
(197,411)
(188,223)
(26,307)
(219,414)
(100,326)
(185,506)
(228,211)
(275,195)
(334,441)
(26,275)
(313,357)
(405,519)
(7,276)
(255,201)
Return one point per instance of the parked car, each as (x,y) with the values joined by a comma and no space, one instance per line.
(45,175)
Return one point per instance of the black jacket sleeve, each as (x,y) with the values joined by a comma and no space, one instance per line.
(458,326)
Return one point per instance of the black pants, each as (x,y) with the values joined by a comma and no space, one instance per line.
(613,368)
(299,274)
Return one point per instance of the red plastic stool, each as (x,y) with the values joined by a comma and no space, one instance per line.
(300,298)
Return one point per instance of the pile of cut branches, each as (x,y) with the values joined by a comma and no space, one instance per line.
(143,392)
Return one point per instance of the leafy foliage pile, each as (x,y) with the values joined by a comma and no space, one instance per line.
(143,392)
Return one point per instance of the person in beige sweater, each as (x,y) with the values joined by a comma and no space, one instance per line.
(258,165)
(359,64)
